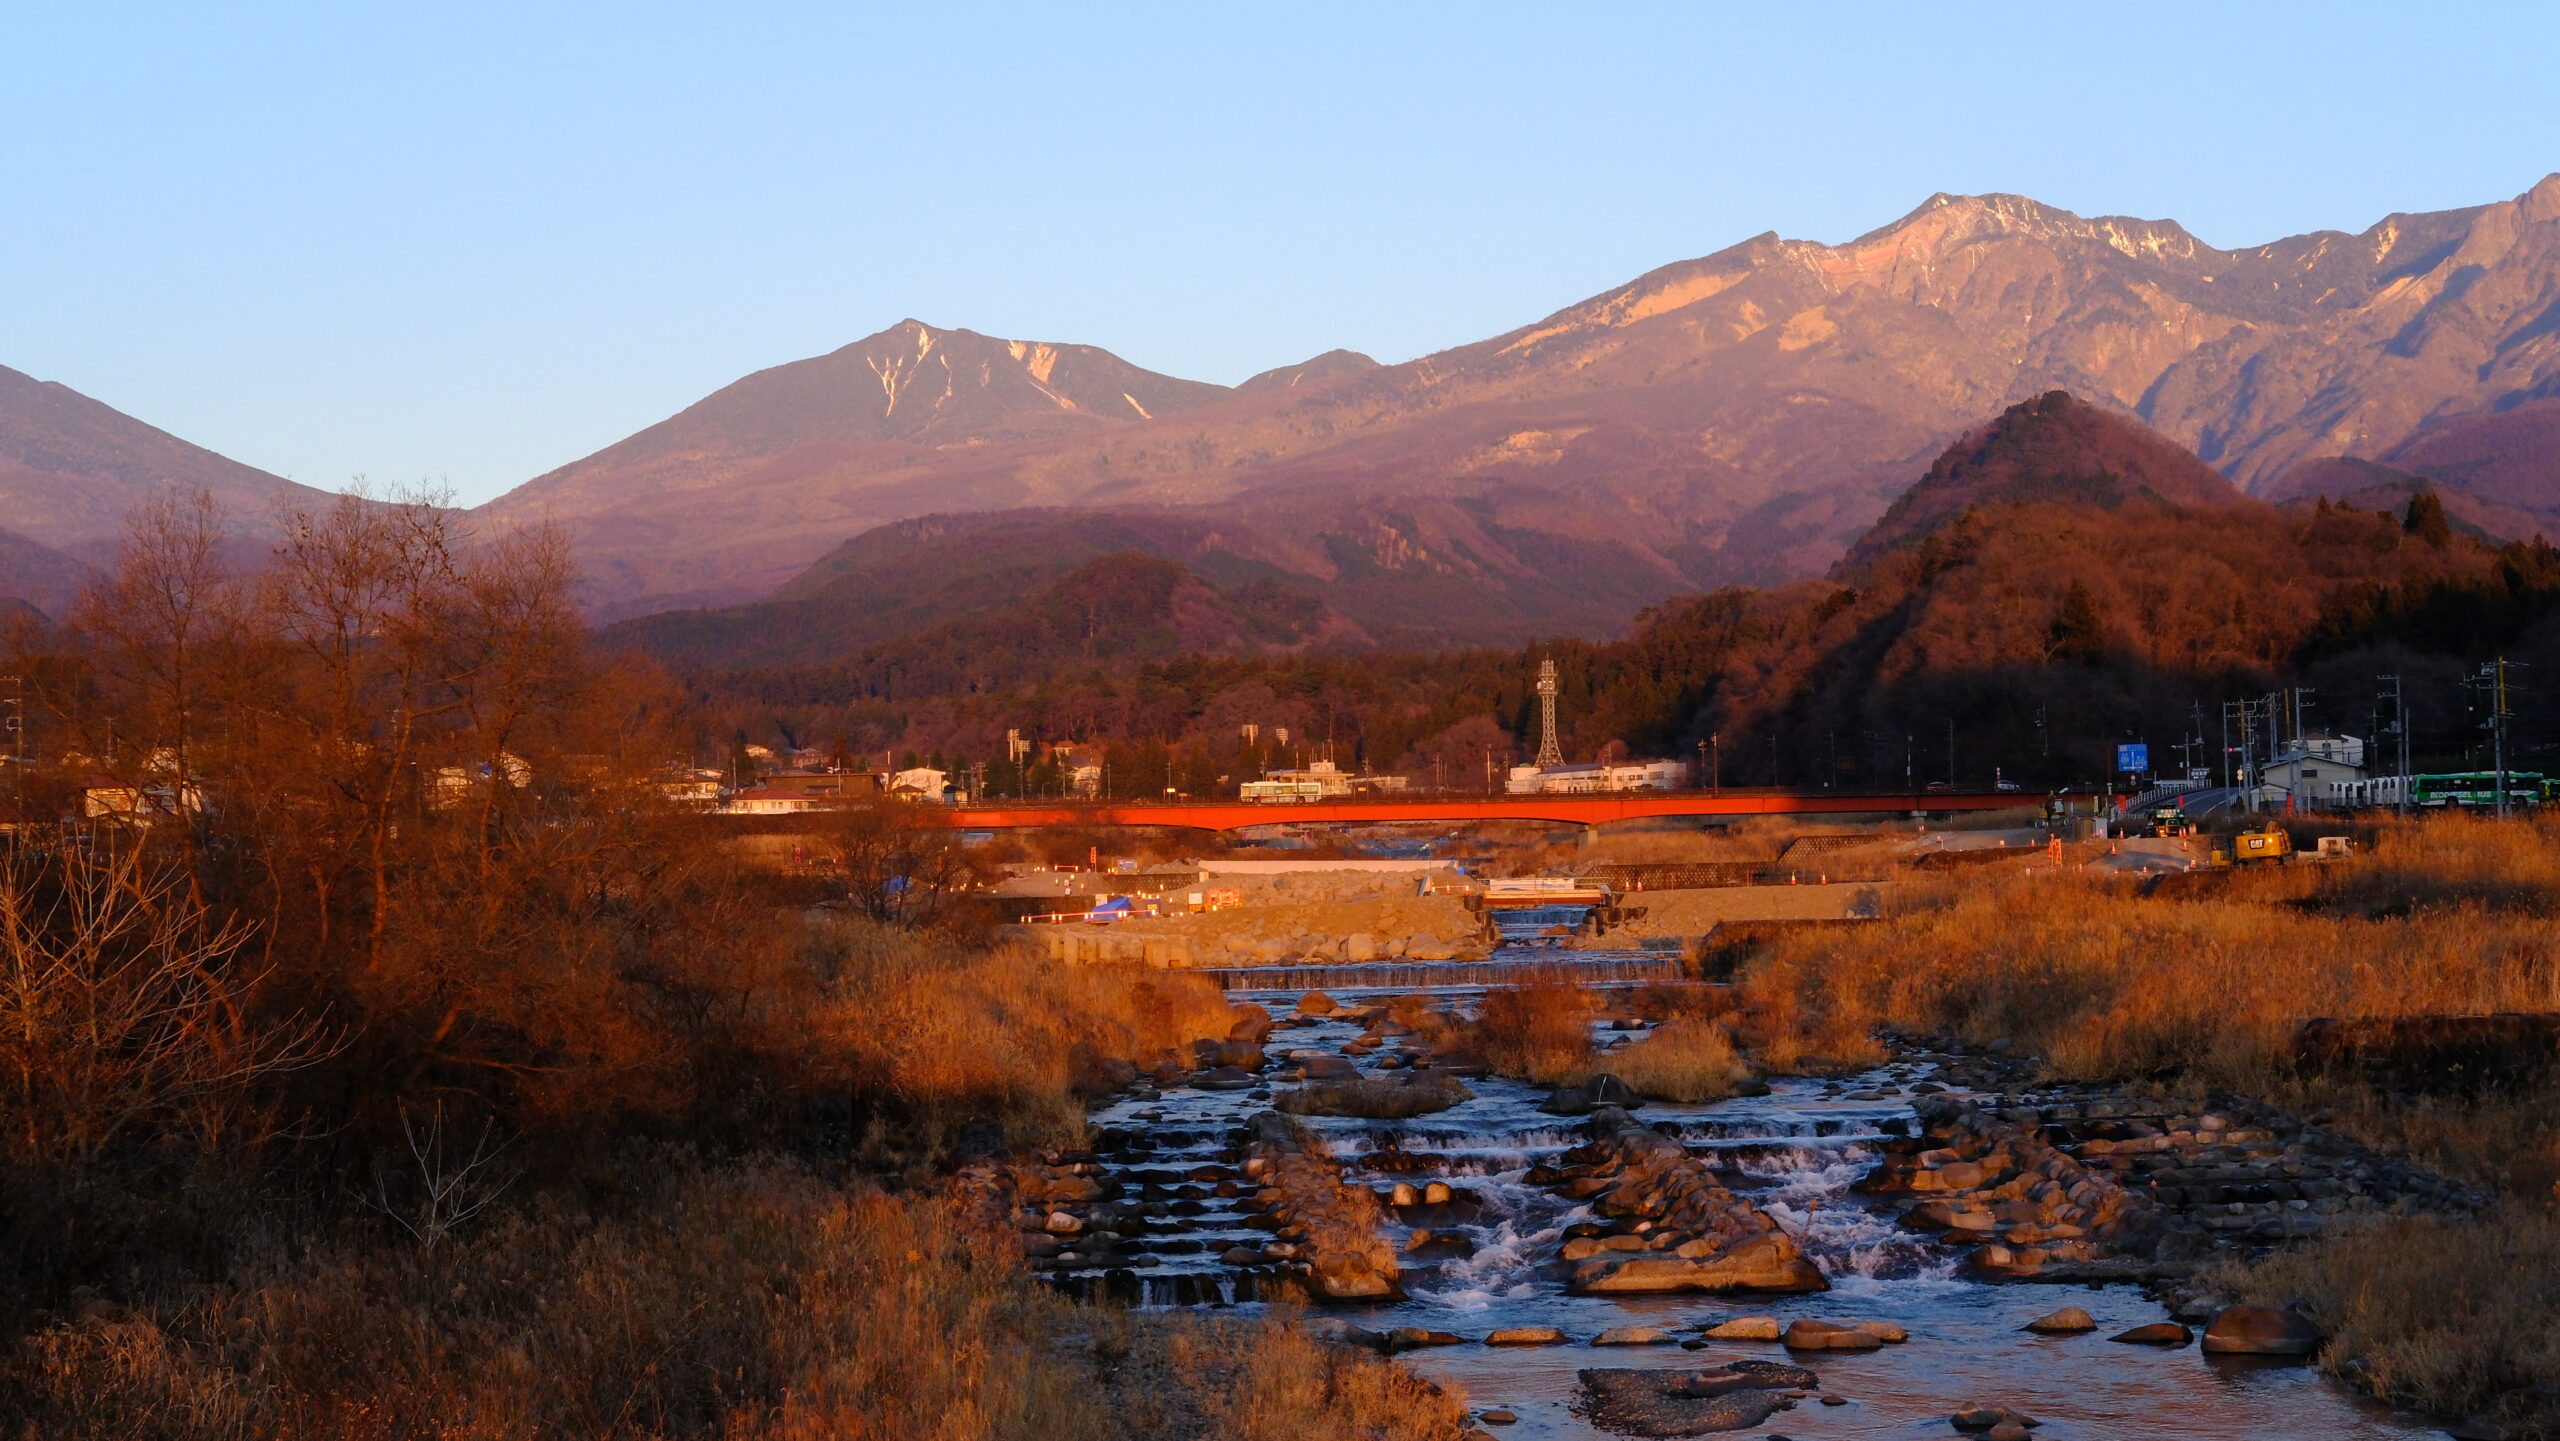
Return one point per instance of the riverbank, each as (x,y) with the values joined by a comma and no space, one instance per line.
(1276,929)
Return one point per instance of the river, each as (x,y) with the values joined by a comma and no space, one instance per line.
(1797,1150)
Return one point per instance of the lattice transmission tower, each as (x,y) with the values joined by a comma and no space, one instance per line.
(1550,755)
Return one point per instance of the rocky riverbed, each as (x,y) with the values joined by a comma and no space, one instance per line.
(1483,1242)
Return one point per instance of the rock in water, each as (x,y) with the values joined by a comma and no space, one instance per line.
(1774,1373)
(1978,1417)
(1722,1242)
(2158,1333)
(1885,1331)
(1342,1333)
(1316,1003)
(2252,1330)
(2069,1321)
(1745,1328)
(1526,1336)
(1650,1403)
(1632,1336)
(1806,1334)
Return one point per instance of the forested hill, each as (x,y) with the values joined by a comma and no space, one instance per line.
(2059,586)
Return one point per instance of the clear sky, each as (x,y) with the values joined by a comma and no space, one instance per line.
(465,243)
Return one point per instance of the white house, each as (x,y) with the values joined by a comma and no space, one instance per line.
(2317,769)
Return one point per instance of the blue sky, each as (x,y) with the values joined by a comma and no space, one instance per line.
(465,243)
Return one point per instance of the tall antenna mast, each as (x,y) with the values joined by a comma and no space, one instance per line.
(1550,755)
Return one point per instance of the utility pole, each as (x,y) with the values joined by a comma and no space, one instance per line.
(2495,673)
(1715,766)
(17,737)
(2226,745)
(2399,734)
(1951,753)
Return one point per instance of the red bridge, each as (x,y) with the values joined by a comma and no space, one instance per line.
(1577,810)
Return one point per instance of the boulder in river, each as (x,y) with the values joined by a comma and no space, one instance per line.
(1316,1003)
(1807,1334)
(1600,1090)
(1526,1336)
(2255,1330)
(1745,1328)
(1632,1336)
(1342,1333)
(2158,1333)
(1979,1417)
(2069,1321)
(1656,1403)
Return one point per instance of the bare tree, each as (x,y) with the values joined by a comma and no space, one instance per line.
(123,1007)
(896,869)
(442,1188)
(366,591)
(166,617)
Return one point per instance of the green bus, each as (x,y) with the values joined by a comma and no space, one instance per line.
(2466,789)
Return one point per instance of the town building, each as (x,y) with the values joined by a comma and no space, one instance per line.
(2314,771)
(1597,776)
(921,783)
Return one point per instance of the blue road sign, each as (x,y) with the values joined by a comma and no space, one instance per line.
(2133,757)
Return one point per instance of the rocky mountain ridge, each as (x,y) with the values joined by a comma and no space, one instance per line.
(1734,418)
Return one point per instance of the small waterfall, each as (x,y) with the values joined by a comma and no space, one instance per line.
(1584,968)
(1531,923)
(1809,1195)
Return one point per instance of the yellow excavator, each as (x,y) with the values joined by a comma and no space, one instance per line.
(2270,843)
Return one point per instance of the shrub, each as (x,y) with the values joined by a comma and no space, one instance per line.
(1682,1060)
(1538,1032)
(944,1034)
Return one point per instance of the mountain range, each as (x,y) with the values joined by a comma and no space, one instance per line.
(1739,418)
(72,469)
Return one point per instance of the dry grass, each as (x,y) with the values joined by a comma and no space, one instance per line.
(1539,1032)
(1758,838)
(2453,1317)
(2447,861)
(1681,1060)
(762,1302)
(947,1035)
(2106,983)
